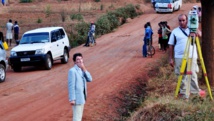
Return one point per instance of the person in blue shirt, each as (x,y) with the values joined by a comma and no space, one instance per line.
(147,38)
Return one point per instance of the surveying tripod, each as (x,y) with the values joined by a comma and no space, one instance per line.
(186,61)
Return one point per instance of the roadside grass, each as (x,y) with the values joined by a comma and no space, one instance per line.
(157,101)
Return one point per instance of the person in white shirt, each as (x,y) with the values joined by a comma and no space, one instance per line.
(177,44)
(9,34)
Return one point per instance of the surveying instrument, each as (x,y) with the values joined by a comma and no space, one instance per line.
(186,65)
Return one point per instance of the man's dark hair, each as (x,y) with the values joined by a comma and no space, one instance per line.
(10,20)
(75,56)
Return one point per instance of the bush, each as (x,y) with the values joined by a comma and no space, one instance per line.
(48,10)
(114,21)
(96,0)
(103,25)
(25,1)
(77,16)
(39,20)
(81,35)
(130,10)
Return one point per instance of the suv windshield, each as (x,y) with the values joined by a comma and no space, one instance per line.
(35,38)
(163,1)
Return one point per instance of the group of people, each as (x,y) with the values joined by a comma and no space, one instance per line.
(177,40)
(12,31)
(163,35)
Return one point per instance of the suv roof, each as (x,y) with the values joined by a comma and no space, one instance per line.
(45,29)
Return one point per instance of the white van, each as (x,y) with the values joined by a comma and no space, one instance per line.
(167,5)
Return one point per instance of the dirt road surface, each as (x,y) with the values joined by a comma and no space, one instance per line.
(41,95)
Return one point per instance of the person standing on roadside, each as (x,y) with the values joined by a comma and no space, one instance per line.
(91,36)
(16,32)
(149,25)
(146,39)
(9,34)
(177,44)
(165,36)
(77,87)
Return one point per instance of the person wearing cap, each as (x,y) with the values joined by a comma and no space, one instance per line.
(91,35)
(92,31)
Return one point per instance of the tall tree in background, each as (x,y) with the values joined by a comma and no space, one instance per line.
(208,37)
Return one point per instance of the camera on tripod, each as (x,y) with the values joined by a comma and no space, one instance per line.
(193,21)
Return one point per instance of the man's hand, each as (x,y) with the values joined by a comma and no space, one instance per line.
(171,62)
(82,66)
(199,33)
(72,102)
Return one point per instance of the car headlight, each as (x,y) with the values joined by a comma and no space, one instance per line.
(13,53)
(40,51)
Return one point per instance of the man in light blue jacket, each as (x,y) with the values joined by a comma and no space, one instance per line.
(77,87)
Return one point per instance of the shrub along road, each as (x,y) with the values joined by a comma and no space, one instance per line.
(40,95)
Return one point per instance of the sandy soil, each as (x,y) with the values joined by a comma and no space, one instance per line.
(40,95)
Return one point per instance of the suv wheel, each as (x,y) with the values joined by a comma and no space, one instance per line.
(2,73)
(64,57)
(48,62)
(17,68)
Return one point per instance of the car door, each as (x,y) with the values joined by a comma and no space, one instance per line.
(60,42)
(54,44)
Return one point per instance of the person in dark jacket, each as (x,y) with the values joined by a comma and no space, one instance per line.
(16,32)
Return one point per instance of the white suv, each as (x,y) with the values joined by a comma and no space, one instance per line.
(40,47)
(3,63)
(167,5)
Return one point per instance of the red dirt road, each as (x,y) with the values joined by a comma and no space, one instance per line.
(40,95)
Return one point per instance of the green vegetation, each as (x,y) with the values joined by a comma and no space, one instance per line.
(77,16)
(105,24)
(79,36)
(48,10)
(39,20)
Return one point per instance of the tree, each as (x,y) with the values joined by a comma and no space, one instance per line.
(208,37)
